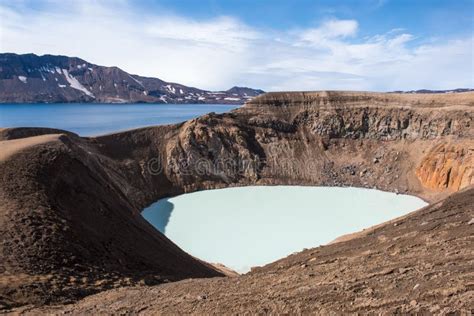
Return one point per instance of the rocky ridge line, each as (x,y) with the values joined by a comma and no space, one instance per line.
(30,78)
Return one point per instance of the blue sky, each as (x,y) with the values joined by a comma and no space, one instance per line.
(426,17)
(380,45)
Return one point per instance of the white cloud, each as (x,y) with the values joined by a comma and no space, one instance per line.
(220,52)
(330,30)
(218,31)
(207,54)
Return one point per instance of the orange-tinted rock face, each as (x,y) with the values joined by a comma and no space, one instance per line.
(447,166)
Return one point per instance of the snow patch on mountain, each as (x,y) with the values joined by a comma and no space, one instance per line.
(137,81)
(170,88)
(76,84)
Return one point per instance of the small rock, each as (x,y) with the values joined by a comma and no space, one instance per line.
(471,221)
(413,303)
(304,265)
(416,286)
(403,270)
(434,308)
(150,280)
(201,297)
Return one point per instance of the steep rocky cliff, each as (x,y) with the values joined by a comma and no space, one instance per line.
(327,138)
(69,206)
(48,78)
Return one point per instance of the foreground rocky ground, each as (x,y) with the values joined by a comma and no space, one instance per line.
(71,225)
(420,263)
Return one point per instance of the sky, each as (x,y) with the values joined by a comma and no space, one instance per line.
(372,45)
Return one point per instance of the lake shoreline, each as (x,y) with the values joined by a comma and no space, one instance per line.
(255,211)
(99,119)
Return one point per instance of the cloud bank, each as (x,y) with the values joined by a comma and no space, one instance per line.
(220,52)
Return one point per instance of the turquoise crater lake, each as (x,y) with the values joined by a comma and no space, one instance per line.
(252,226)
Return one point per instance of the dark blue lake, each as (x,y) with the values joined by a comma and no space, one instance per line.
(88,119)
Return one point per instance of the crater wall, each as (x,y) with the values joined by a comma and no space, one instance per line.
(70,206)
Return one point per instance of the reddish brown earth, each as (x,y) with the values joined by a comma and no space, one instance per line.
(70,223)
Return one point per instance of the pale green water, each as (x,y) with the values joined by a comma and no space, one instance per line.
(252,226)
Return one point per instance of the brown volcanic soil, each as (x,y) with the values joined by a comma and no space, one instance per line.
(421,263)
(70,223)
(68,230)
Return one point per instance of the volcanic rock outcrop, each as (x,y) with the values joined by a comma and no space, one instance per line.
(447,167)
(70,206)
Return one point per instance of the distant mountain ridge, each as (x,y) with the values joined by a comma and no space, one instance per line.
(459,90)
(30,78)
